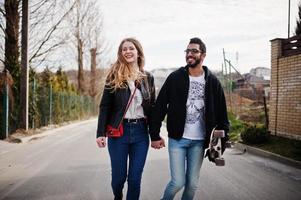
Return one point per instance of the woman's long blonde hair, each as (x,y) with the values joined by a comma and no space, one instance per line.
(121,71)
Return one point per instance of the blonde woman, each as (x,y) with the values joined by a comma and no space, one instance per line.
(127,99)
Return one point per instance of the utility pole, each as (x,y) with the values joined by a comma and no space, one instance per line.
(228,79)
(236,57)
(230,87)
(24,67)
(223,73)
(225,65)
(289,18)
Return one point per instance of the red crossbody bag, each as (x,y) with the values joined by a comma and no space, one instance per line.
(118,132)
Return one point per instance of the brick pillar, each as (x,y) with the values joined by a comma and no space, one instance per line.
(273,112)
(285,101)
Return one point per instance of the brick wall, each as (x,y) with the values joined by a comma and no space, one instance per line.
(285,100)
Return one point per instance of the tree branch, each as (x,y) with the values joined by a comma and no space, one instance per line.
(39,6)
(52,48)
(38,15)
(50,32)
(40,62)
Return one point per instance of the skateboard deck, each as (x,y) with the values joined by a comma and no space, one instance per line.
(214,152)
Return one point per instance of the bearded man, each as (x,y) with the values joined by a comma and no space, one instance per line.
(194,102)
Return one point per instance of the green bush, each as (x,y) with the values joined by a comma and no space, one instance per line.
(254,134)
(236,127)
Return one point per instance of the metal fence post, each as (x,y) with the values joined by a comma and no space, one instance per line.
(69,106)
(33,100)
(62,104)
(50,104)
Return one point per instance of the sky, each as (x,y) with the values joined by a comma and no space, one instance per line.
(243,28)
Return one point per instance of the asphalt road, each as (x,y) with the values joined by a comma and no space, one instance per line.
(65,163)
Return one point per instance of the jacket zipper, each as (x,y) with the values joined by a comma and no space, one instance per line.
(205,99)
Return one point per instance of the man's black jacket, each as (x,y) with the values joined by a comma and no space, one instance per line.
(172,101)
(113,104)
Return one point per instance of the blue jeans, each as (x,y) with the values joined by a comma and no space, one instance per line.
(132,146)
(185,160)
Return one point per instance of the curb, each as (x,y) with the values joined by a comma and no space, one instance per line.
(266,154)
(48,130)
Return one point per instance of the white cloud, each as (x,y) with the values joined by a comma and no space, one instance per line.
(165,27)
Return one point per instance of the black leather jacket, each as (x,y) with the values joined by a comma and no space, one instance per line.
(113,104)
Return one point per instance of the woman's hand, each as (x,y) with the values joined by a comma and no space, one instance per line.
(101,142)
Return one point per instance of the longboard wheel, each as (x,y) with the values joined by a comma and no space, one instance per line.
(219,133)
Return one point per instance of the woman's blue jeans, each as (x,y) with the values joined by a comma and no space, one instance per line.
(132,147)
(185,160)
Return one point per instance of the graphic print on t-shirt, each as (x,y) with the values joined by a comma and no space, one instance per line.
(195,102)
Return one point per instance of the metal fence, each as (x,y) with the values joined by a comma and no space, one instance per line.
(46,106)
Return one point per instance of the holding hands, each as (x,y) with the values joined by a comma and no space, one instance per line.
(158,144)
(101,142)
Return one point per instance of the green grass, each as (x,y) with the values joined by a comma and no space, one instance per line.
(285,147)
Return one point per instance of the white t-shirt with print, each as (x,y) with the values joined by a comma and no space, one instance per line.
(195,107)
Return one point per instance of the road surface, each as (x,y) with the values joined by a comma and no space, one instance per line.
(65,163)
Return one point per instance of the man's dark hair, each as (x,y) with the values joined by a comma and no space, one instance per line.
(199,42)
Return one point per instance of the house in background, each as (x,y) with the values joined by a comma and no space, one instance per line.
(254,84)
(160,76)
(262,72)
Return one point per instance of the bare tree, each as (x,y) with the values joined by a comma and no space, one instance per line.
(80,44)
(11,33)
(2,32)
(45,37)
(47,28)
(97,46)
(10,53)
(92,90)
(83,26)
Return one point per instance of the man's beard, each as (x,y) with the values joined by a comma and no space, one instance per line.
(193,65)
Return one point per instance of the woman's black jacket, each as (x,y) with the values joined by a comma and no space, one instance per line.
(113,103)
(172,101)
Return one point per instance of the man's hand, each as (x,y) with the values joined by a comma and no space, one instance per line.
(101,142)
(158,144)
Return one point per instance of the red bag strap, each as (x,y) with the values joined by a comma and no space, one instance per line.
(128,105)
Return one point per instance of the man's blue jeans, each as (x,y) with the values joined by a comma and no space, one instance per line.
(185,160)
(132,146)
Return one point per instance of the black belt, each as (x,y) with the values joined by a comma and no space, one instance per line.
(134,120)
